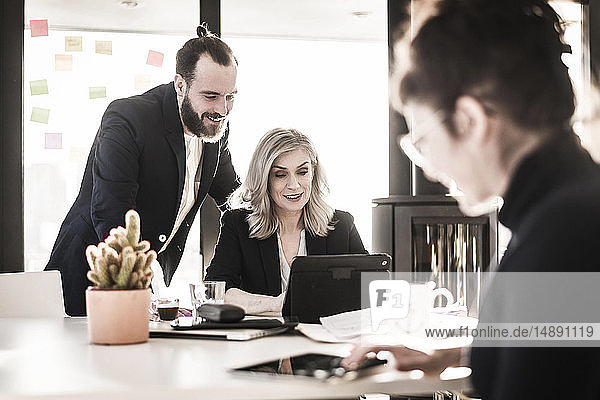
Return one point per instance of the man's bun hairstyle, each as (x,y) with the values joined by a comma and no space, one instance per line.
(202,30)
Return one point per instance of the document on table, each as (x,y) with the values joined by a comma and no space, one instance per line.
(318,333)
(348,325)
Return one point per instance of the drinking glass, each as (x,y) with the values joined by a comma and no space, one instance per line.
(206,292)
(167,308)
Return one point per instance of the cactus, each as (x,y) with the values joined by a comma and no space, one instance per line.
(122,261)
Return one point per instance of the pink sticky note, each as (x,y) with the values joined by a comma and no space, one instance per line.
(155,58)
(39,27)
(53,141)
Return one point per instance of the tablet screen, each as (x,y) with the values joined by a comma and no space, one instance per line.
(320,366)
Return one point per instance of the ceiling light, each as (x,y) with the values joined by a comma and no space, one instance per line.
(131,4)
(361,14)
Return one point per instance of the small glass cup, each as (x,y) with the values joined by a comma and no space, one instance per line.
(167,308)
(206,292)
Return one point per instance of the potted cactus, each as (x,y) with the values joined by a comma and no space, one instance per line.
(117,306)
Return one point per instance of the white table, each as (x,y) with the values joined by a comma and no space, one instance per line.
(52,359)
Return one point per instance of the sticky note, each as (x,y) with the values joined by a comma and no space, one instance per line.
(141,82)
(78,154)
(155,58)
(38,87)
(63,62)
(53,141)
(40,115)
(104,47)
(73,43)
(39,27)
(97,92)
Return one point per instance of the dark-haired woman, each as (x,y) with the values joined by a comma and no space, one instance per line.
(492,107)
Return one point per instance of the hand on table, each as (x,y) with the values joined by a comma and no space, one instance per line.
(406,359)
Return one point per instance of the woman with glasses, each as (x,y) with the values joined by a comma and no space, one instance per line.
(491,105)
(278,213)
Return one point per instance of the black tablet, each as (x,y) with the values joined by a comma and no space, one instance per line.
(311,365)
(325,285)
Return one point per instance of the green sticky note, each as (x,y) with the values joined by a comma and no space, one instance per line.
(104,47)
(38,87)
(97,92)
(40,115)
(73,43)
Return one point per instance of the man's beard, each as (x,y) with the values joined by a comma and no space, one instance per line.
(194,123)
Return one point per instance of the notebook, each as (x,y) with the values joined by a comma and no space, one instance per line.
(184,327)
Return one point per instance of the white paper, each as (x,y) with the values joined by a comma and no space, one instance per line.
(319,333)
(348,325)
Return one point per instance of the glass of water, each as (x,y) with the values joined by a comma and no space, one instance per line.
(206,292)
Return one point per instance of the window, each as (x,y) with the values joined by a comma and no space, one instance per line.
(331,88)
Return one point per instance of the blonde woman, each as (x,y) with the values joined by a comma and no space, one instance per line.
(278,213)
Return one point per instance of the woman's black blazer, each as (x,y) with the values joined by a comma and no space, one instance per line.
(253,265)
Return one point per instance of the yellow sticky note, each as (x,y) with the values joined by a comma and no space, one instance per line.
(73,43)
(63,62)
(40,115)
(97,92)
(78,154)
(104,47)
(142,81)
(38,87)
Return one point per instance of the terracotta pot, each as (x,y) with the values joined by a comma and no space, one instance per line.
(117,316)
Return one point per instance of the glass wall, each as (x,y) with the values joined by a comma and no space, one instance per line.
(68,83)
(70,77)
(334,90)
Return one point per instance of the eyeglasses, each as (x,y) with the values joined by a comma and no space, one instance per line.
(413,145)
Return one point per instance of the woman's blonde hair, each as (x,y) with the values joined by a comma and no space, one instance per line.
(254,195)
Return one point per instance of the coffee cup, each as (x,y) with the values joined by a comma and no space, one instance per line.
(421,301)
(167,308)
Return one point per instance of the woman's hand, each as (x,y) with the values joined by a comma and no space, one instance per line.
(405,359)
(254,303)
(277,304)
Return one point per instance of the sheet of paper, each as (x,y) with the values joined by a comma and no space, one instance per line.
(155,58)
(63,62)
(318,333)
(73,43)
(39,27)
(352,324)
(349,324)
(40,115)
(53,141)
(97,92)
(104,47)
(38,87)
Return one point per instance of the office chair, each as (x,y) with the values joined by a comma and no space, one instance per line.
(31,294)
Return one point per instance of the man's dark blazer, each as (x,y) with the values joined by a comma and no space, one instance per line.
(137,161)
(253,265)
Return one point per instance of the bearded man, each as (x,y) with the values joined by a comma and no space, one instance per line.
(159,153)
